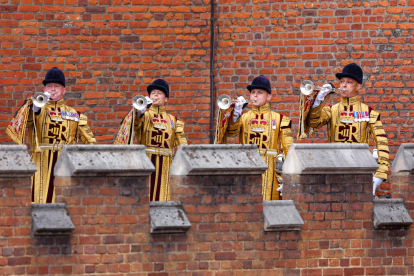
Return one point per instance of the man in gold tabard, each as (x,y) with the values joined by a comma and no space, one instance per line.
(160,132)
(50,127)
(269,130)
(351,121)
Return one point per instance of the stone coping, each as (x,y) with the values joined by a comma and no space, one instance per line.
(15,161)
(329,158)
(404,160)
(103,160)
(233,159)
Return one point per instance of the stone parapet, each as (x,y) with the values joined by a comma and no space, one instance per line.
(103,160)
(329,159)
(217,160)
(112,217)
(404,160)
(15,161)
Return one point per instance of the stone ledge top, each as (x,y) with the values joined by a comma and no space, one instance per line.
(404,160)
(165,204)
(233,159)
(103,160)
(15,161)
(329,159)
(388,200)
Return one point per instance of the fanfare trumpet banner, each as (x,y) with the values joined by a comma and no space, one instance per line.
(17,127)
(125,135)
(306,102)
(223,117)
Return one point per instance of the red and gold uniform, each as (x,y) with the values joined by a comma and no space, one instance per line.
(351,121)
(160,133)
(56,125)
(271,132)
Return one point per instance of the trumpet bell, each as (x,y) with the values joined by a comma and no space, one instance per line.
(139,102)
(40,99)
(306,87)
(224,102)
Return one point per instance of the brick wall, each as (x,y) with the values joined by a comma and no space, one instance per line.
(111,50)
(112,236)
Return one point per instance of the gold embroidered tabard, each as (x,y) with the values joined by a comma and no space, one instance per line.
(160,133)
(351,121)
(57,124)
(271,132)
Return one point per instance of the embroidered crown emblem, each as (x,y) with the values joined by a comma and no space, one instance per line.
(258,125)
(347,117)
(159,123)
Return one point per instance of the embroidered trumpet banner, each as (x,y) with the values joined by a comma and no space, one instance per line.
(125,133)
(222,123)
(17,127)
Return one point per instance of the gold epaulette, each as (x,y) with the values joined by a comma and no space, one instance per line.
(83,120)
(373,116)
(285,123)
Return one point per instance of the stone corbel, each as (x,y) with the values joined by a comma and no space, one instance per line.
(51,219)
(390,214)
(281,215)
(168,217)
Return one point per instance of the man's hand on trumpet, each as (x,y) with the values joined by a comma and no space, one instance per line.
(143,108)
(149,102)
(325,90)
(238,107)
(37,108)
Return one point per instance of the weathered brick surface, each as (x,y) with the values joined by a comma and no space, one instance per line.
(112,236)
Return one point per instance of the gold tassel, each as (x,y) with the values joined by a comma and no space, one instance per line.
(38,149)
(311,132)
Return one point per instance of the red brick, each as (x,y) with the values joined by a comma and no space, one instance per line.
(19,261)
(225,256)
(92,201)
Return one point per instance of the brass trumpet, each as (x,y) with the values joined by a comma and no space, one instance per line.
(139,102)
(40,99)
(307,87)
(224,101)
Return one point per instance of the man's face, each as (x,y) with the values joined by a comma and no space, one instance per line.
(56,91)
(259,97)
(350,87)
(158,97)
